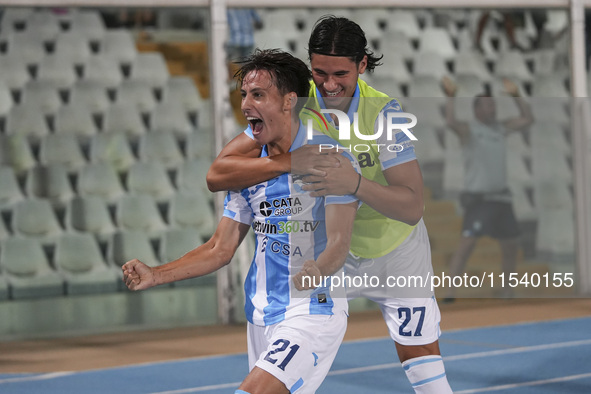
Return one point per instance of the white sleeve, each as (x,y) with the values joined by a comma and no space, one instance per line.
(399,151)
(237,208)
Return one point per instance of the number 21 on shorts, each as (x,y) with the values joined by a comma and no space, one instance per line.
(407,315)
(274,355)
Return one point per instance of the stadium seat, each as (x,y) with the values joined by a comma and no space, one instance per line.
(428,110)
(128,245)
(386,84)
(91,95)
(16,152)
(51,183)
(27,269)
(516,143)
(192,210)
(545,62)
(169,116)
(191,176)
(395,43)
(517,171)
(506,107)
(118,45)
(315,13)
(437,40)
(175,243)
(200,145)
(124,118)
(88,24)
(14,71)
(26,120)
(428,148)
(137,92)
(10,191)
(548,135)
(404,21)
(89,214)
(103,71)
(396,68)
(41,95)
(73,47)
(100,180)
(371,21)
(79,260)
(113,149)
(161,147)
(550,163)
(524,210)
(453,166)
(139,213)
(551,194)
(13,16)
(267,39)
(27,46)
(556,245)
(61,149)
(550,109)
(512,64)
(75,120)
(57,71)
(425,85)
(281,22)
(4,233)
(550,86)
(150,178)
(4,288)
(182,89)
(469,85)
(470,62)
(464,107)
(43,23)
(6,101)
(150,68)
(429,64)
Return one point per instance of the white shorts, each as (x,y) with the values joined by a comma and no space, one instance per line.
(400,282)
(298,351)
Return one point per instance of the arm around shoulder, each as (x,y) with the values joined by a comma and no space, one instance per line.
(239,165)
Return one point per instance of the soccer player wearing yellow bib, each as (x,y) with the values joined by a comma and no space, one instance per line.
(389,236)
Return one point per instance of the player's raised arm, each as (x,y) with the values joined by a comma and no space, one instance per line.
(204,259)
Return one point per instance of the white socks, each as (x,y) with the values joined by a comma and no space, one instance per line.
(427,375)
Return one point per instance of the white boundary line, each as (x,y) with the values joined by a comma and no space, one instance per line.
(55,375)
(526,384)
(522,349)
(44,376)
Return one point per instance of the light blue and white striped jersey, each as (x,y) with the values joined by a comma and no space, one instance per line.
(289,226)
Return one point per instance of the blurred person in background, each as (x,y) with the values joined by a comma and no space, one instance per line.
(486,199)
(241,24)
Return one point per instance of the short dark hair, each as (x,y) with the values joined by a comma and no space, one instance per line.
(288,73)
(338,36)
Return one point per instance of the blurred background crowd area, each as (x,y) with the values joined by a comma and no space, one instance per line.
(106,136)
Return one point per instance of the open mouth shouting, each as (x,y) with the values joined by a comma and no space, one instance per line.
(256,124)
